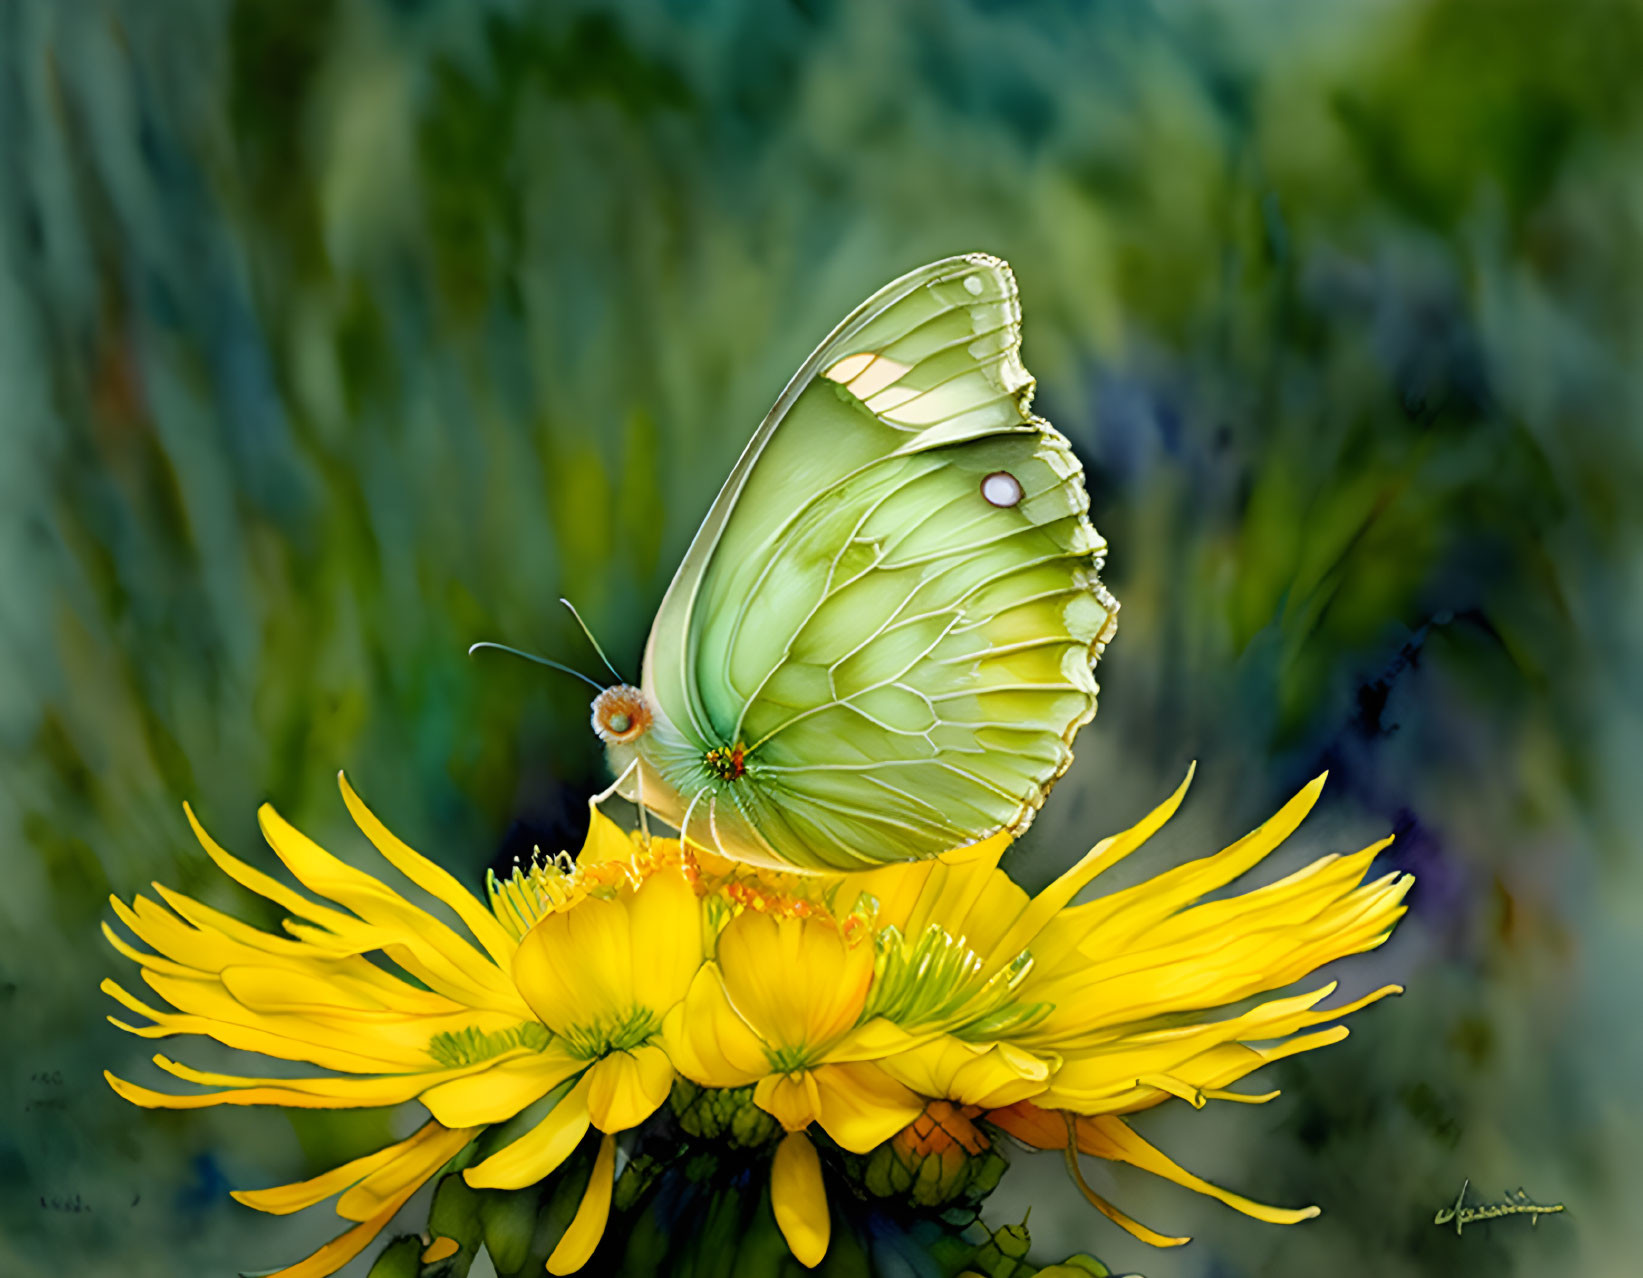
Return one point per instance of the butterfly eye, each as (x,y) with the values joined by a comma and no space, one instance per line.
(1001,489)
(620,714)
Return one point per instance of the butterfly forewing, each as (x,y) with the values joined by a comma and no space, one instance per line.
(893,606)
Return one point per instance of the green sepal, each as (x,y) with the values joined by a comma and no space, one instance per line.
(401,1258)
(728,1112)
(507,1221)
(637,1177)
(699,1207)
(454,1214)
(1079,1266)
(952,1178)
(1004,1254)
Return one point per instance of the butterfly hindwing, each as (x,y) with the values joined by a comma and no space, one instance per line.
(901,658)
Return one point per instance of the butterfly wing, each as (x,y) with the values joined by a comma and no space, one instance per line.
(879,645)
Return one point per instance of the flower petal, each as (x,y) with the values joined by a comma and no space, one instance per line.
(578,1242)
(1163,894)
(606,841)
(267,1042)
(288,899)
(960,886)
(1263,940)
(875,1039)
(666,930)
(800,1199)
(432,879)
(625,1088)
(1104,855)
(412,1168)
(1114,1139)
(970,1073)
(708,1040)
(497,1094)
(795,981)
(281,1200)
(445,961)
(1129,1071)
(294,1093)
(343,1248)
(340,1250)
(540,1150)
(575,967)
(861,1106)
(790,1099)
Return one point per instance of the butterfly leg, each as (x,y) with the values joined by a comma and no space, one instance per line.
(612,788)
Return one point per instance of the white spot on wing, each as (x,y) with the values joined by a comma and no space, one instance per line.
(878,373)
(973,284)
(1001,488)
(848,367)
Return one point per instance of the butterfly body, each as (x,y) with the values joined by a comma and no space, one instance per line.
(879,645)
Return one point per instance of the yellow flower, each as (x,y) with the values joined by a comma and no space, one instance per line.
(483,1032)
(1046,1012)
(1130,981)
(781,1006)
(911,1011)
(601,975)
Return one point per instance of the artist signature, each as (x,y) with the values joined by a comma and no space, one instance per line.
(1516,1204)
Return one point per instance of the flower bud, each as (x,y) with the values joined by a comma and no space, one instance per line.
(939,1159)
(727,1113)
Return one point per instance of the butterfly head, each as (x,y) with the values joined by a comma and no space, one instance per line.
(621,714)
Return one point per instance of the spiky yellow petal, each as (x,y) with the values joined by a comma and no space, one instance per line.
(432,879)
(281,1200)
(430,1156)
(443,960)
(1113,1139)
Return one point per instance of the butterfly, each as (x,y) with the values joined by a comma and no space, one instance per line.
(880,644)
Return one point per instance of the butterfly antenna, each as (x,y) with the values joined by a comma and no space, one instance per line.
(568,604)
(541,661)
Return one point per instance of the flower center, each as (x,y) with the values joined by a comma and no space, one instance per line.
(620,1033)
(455,1048)
(788,1060)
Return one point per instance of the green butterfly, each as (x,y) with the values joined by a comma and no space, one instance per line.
(879,645)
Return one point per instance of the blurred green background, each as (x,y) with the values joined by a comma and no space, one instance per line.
(337,335)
